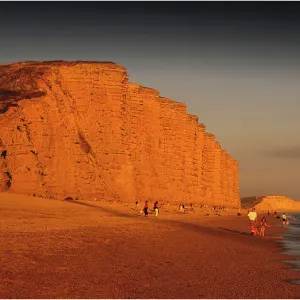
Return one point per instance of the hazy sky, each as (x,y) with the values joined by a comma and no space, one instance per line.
(236,65)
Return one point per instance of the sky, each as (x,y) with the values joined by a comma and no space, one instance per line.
(235,64)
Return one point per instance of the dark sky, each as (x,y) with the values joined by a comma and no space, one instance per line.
(235,64)
(213,28)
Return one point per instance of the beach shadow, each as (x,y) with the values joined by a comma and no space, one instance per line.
(181,224)
(234,231)
(105,209)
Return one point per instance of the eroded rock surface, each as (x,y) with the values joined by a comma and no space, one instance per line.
(82,130)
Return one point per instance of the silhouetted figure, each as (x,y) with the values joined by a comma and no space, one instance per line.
(146,208)
(192,208)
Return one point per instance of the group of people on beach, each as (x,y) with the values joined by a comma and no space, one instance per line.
(145,210)
(186,208)
(156,208)
(256,229)
(284,217)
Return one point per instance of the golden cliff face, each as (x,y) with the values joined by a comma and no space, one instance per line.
(81,130)
(271,203)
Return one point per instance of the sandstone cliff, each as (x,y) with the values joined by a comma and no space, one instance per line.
(81,130)
(271,203)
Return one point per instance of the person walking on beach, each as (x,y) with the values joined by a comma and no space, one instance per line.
(192,208)
(181,207)
(252,215)
(263,225)
(146,208)
(156,210)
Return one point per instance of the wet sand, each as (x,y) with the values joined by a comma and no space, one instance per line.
(91,249)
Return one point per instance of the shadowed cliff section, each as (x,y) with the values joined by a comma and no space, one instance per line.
(9,98)
(82,130)
(17,84)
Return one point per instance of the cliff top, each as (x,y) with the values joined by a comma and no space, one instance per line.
(59,62)
(62,63)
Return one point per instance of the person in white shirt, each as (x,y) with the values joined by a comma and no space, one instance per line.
(252,215)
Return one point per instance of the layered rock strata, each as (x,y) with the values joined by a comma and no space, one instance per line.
(82,130)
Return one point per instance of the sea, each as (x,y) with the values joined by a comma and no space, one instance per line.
(291,243)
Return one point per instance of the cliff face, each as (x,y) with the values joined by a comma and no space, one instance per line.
(81,130)
(271,203)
